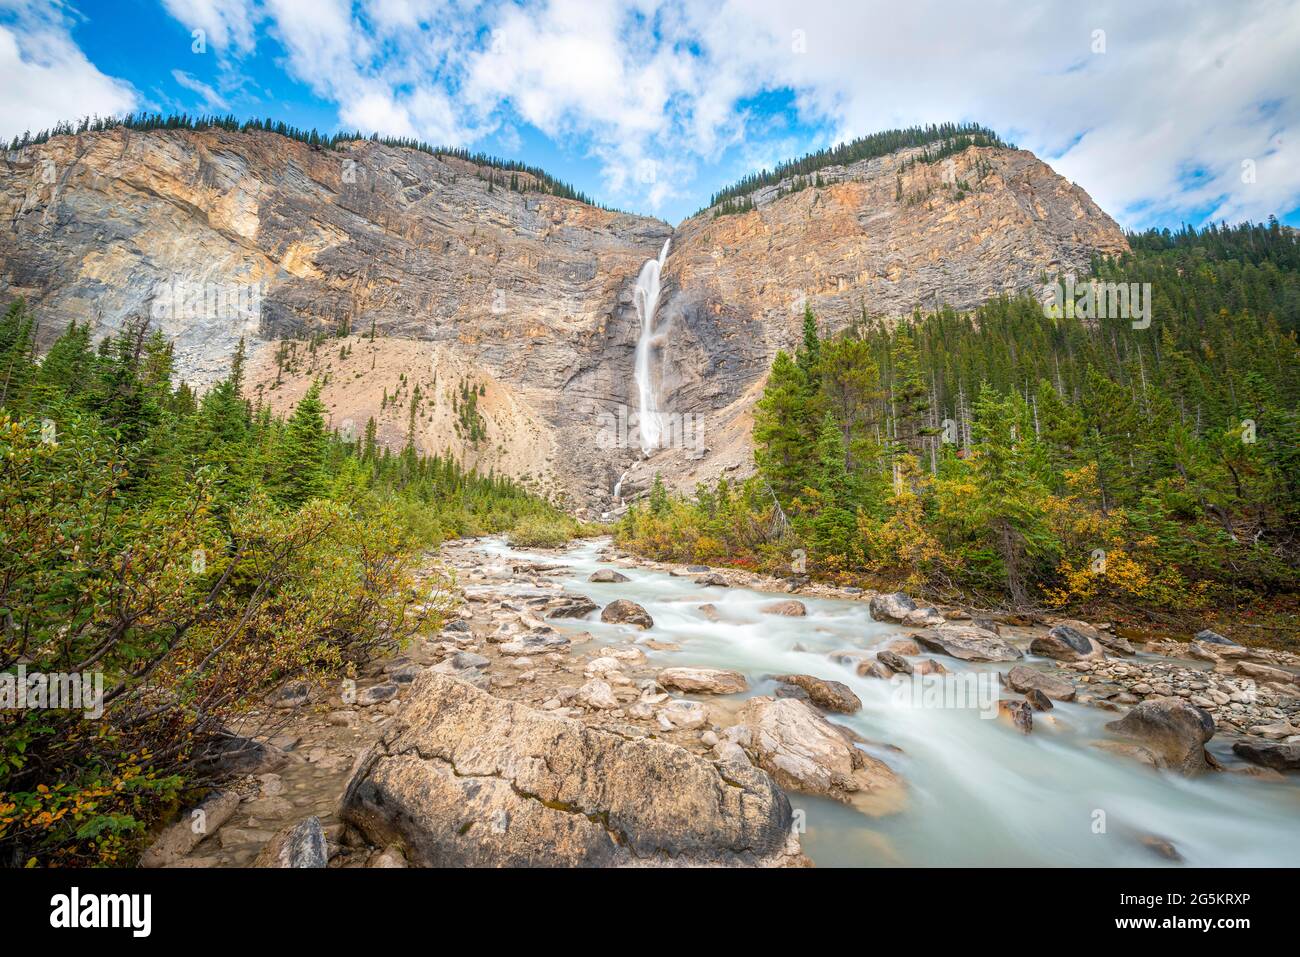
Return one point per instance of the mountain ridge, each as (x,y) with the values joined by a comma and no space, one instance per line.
(527,294)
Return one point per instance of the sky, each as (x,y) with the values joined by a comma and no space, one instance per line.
(1165,112)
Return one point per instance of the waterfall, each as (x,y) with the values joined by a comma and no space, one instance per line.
(646,298)
(618,487)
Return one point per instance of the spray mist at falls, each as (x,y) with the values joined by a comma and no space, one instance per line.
(646,299)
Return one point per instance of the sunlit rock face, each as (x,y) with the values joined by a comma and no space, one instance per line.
(881,237)
(440,278)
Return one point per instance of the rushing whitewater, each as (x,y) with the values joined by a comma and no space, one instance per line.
(646,299)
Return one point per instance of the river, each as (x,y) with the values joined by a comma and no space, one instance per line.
(979,791)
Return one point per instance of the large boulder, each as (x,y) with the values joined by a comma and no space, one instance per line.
(703,681)
(893,607)
(1173,731)
(624,612)
(607,575)
(1065,643)
(298,845)
(1023,679)
(463,779)
(826,694)
(805,752)
(968,642)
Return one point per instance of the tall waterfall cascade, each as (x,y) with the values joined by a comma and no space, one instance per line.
(646,298)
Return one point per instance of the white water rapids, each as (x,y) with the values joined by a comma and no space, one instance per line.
(646,299)
(979,792)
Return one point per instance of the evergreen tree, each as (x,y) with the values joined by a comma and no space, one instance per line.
(302,451)
(1009,499)
(783,436)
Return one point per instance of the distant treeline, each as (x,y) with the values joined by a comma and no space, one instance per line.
(545,183)
(955,137)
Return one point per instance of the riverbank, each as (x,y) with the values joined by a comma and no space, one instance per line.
(757,680)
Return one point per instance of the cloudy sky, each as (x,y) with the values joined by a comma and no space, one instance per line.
(1166,112)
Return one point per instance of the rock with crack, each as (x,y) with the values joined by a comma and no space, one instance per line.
(463,779)
(804,752)
(1106,639)
(702,681)
(607,575)
(968,643)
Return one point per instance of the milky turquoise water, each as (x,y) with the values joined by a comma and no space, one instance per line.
(979,792)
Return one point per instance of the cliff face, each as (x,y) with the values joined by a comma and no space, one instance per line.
(525,297)
(881,236)
(518,291)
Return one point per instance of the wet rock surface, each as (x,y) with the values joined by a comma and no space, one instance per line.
(627,612)
(805,752)
(1173,731)
(824,693)
(968,642)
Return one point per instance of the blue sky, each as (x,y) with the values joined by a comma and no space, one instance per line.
(1185,110)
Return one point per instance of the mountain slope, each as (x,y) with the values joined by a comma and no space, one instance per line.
(526,294)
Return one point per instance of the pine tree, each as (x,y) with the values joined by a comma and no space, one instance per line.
(850,380)
(301,454)
(1009,498)
(17,353)
(68,367)
(784,447)
(808,356)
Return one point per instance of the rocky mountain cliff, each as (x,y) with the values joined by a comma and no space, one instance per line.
(379,269)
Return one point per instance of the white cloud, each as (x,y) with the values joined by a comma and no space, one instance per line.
(229,26)
(212,100)
(47,79)
(1155,127)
